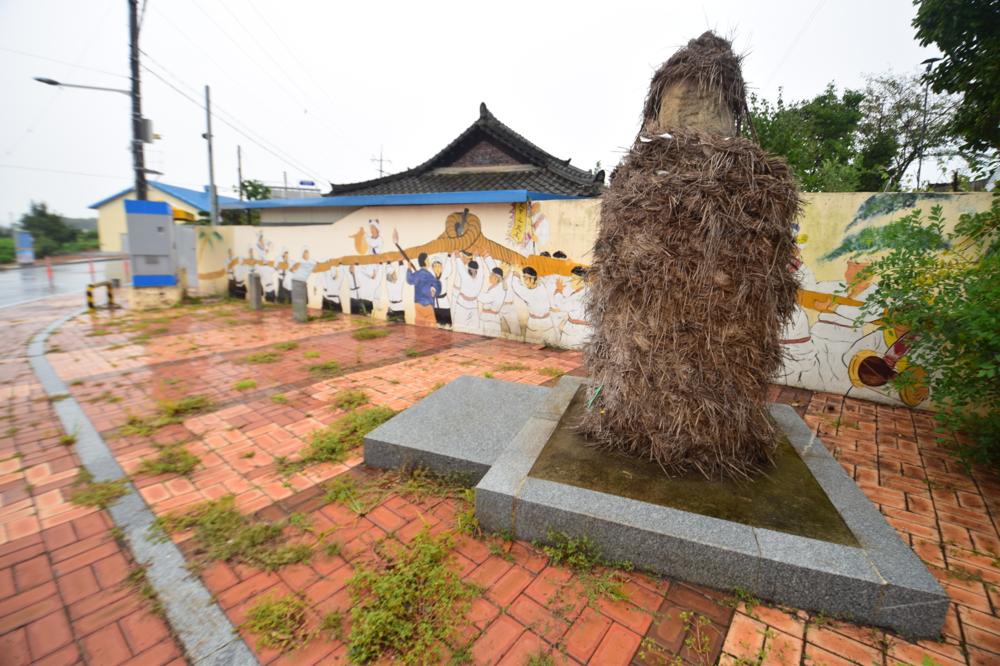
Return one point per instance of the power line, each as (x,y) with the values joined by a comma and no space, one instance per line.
(798,35)
(304,95)
(22,167)
(252,88)
(62,62)
(199,104)
(234,120)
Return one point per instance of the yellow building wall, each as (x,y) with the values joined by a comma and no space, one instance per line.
(111,218)
(823,345)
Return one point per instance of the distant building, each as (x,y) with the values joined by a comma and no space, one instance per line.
(487,163)
(186,203)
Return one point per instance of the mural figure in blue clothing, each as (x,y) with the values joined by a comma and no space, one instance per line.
(425,288)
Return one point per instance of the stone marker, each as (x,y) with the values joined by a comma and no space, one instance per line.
(300,301)
(255,291)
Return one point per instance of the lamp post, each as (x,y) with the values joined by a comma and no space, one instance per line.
(138,123)
(928,65)
(138,161)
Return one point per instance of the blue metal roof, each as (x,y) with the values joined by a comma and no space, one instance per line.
(193,198)
(421,199)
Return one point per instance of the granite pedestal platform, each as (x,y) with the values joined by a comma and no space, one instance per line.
(495,431)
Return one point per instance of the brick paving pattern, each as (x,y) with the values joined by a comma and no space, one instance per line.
(57,559)
(66,596)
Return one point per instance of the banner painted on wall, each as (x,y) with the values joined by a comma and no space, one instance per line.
(452,273)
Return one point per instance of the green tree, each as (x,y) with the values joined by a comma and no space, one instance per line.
(817,137)
(946,301)
(967,32)
(251,190)
(892,131)
(48,229)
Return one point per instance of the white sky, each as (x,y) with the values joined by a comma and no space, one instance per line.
(325,84)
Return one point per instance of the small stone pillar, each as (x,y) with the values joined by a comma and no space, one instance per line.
(255,291)
(300,301)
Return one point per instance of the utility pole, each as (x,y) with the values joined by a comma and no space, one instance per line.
(380,160)
(138,159)
(928,65)
(213,196)
(239,179)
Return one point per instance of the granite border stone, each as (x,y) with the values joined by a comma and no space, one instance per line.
(199,623)
(880,582)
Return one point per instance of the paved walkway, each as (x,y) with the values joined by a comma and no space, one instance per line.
(271,383)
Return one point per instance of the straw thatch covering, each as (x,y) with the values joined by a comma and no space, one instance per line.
(689,290)
(702,79)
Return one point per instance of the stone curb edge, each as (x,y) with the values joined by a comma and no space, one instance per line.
(197,620)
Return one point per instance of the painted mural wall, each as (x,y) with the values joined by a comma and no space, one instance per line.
(519,271)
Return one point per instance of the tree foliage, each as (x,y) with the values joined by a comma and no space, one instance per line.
(947,300)
(858,140)
(968,34)
(49,231)
(815,136)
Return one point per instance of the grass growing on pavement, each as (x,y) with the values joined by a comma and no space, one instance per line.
(326,369)
(279,399)
(405,605)
(350,399)
(102,494)
(286,346)
(167,412)
(331,444)
(411,352)
(279,622)
(245,384)
(67,439)
(600,578)
(221,532)
(552,372)
(263,357)
(508,366)
(310,354)
(138,581)
(369,333)
(174,459)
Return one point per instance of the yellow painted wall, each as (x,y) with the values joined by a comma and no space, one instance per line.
(111,218)
(823,346)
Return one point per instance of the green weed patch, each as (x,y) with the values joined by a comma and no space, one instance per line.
(405,606)
(350,399)
(102,494)
(221,532)
(175,459)
(279,622)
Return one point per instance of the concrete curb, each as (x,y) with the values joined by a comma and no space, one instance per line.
(200,624)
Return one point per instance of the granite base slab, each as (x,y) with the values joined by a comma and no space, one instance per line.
(880,582)
(460,429)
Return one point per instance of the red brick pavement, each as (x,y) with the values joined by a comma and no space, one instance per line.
(529,606)
(65,592)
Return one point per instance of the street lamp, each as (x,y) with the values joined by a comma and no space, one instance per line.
(53,82)
(928,65)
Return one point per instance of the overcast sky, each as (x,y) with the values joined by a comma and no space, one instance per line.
(318,87)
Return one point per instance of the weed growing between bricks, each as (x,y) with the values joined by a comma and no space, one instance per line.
(172,459)
(600,578)
(279,622)
(406,603)
(101,494)
(221,532)
(263,357)
(332,443)
(325,369)
(349,399)
(369,333)
(167,413)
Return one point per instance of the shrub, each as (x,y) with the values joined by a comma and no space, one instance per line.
(947,301)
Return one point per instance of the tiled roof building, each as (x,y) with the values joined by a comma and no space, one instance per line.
(488,155)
